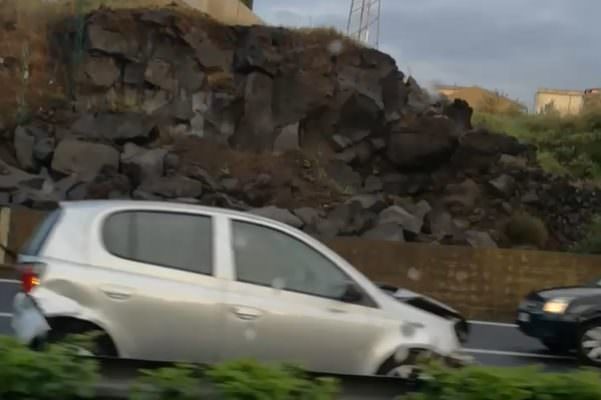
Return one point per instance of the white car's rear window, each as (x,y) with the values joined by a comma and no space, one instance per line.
(36,241)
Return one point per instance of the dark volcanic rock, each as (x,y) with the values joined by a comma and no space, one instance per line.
(279,214)
(173,187)
(117,127)
(83,158)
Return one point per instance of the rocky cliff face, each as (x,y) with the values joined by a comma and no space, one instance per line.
(302,126)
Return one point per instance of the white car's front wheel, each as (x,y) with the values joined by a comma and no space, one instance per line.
(405,369)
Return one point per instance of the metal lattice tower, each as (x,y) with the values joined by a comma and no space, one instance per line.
(364,21)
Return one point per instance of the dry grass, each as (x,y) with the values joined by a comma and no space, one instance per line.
(321,36)
(484,100)
(296,181)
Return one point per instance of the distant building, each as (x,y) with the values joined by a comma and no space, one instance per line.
(565,102)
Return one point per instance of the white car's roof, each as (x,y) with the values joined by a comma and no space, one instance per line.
(95,206)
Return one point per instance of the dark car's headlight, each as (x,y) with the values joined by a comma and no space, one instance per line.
(557,306)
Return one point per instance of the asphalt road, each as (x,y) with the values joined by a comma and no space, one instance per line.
(490,343)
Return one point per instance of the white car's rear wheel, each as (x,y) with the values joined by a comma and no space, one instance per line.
(101,346)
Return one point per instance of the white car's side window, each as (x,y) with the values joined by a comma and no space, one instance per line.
(267,257)
(175,240)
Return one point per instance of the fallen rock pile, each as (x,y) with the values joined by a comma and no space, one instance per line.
(307,128)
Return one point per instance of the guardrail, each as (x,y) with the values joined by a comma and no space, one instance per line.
(118,374)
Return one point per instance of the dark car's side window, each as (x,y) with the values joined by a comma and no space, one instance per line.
(175,240)
(268,257)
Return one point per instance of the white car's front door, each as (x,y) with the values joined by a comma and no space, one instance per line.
(286,304)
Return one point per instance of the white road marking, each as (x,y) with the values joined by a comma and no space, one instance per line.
(9,281)
(499,324)
(5,315)
(517,354)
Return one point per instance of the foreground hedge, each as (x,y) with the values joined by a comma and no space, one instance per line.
(488,383)
(53,374)
(59,374)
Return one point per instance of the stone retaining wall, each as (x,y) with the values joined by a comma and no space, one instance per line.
(482,283)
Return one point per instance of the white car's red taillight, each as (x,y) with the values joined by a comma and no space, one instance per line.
(30,274)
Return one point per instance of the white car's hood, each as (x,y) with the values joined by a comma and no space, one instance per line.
(440,330)
(406,294)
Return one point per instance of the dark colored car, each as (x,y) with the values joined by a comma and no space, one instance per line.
(430,305)
(565,319)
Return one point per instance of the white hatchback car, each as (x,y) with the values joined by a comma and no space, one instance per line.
(175,282)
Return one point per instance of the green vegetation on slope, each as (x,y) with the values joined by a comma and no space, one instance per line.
(591,244)
(566,145)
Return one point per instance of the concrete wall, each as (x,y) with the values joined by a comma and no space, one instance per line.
(232,12)
(482,283)
(567,102)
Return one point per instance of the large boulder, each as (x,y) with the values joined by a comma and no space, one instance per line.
(107,40)
(256,50)
(141,164)
(395,95)
(116,127)
(278,214)
(439,223)
(24,143)
(480,240)
(12,178)
(389,231)
(480,149)
(108,184)
(398,215)
(462,198)
(85,159)
(459,112)
(503,185)
(425,144)
(160,73)
(173,187)
(100,71)
(363,81)
(298,93)
(345,178)
(256,130)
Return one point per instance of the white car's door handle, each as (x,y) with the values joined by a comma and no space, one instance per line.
(246,313)
(117,293)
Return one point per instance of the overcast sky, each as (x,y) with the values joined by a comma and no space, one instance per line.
(514,46)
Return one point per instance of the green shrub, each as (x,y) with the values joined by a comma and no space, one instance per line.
(591,244)
(549,163)
(249,380)
(568,145)
(525,229)
(487,383)
(238,380)
(56,373)
(177,383)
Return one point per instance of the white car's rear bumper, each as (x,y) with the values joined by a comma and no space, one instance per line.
(28,322)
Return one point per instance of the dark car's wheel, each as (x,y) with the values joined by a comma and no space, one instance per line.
(555,346)
(589,343)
